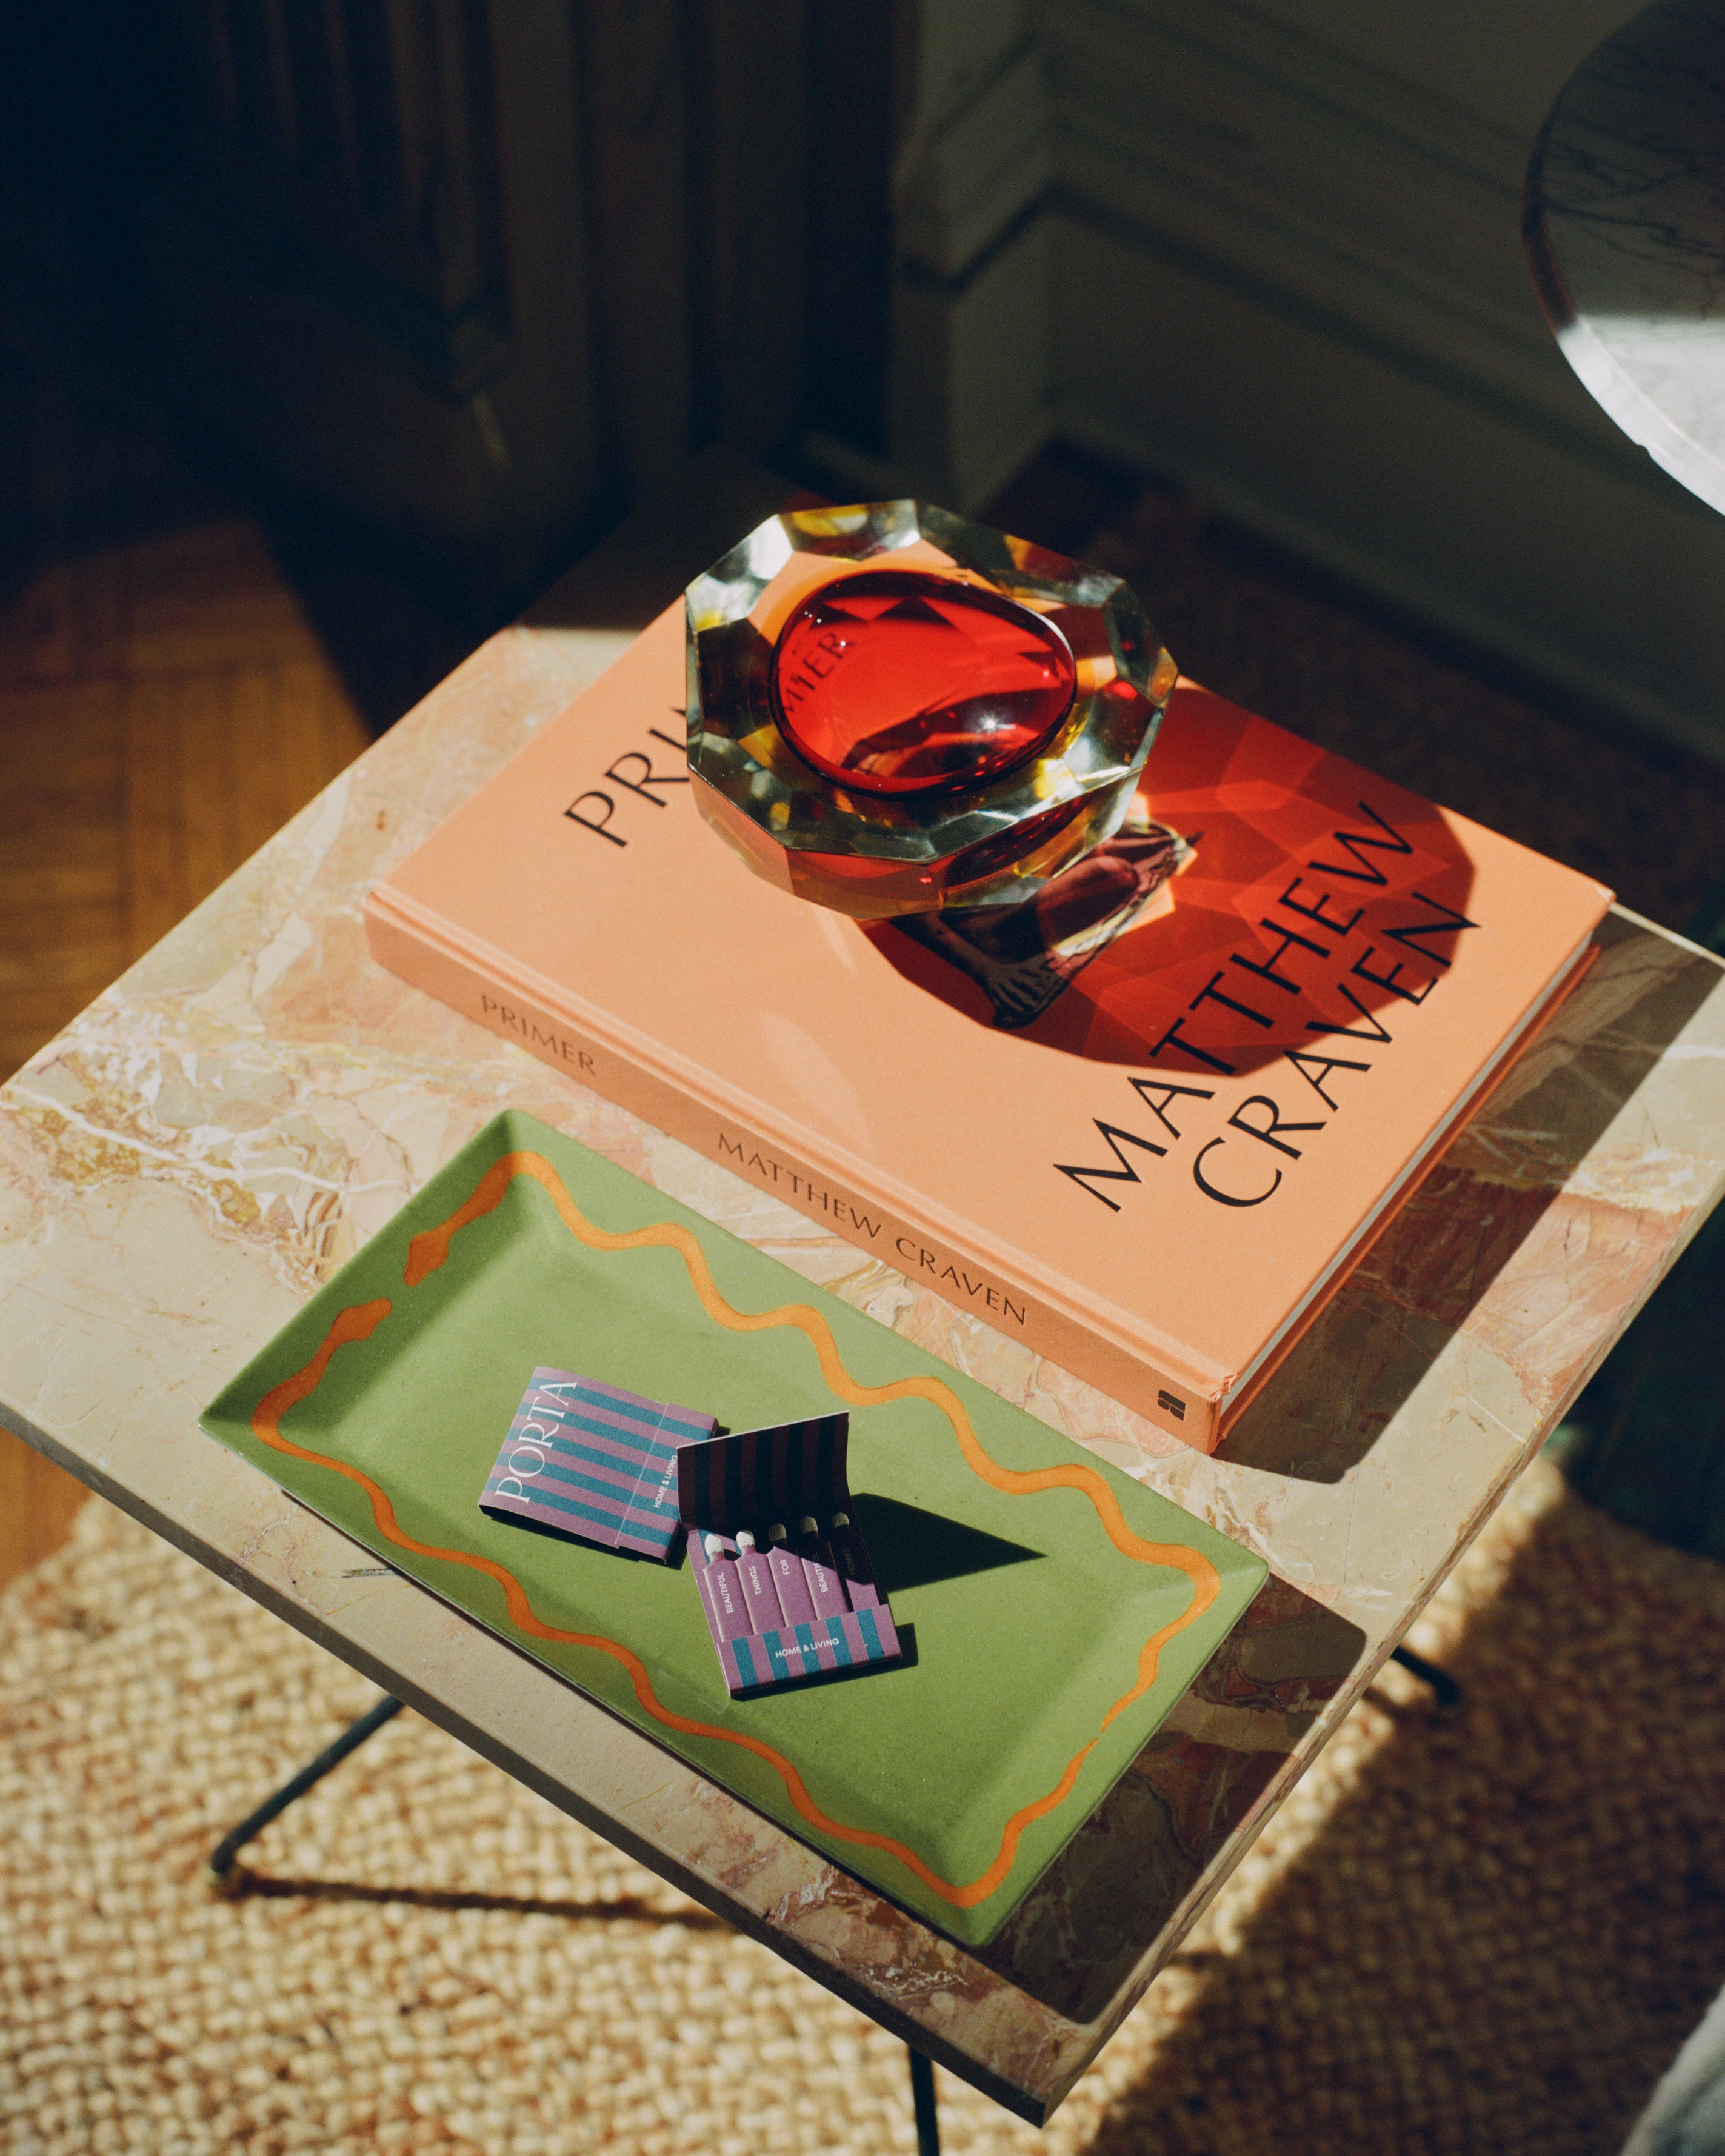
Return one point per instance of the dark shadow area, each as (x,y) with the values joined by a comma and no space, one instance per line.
(1424,708)
(1321,1411)
(1511,1916)
(97,119)
(1064,498)
(90,461)
(92,117)
(911,1548)
(1646,1439)
(1076,1937)
(641,567)
(392,639)
(243,1885)
(1437,1682)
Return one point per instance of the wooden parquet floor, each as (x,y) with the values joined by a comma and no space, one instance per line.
(164,707)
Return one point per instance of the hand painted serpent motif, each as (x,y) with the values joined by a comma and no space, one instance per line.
(428,1250)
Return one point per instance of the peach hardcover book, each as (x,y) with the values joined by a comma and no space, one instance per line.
(1145,1122)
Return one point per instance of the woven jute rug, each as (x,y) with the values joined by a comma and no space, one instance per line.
(1482,1929)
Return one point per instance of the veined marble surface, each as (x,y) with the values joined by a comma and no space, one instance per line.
(225,1126)
(1625,232)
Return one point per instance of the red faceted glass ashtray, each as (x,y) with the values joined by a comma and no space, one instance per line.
(892,710)
(896,681)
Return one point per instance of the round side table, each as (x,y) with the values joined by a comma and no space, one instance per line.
(1625,224)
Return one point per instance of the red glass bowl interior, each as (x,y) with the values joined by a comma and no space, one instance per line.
(894,681)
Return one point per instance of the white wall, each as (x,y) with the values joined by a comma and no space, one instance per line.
(1502,60)
(1273,252)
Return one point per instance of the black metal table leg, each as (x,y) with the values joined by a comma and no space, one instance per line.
(221,1862)
(928,2125)
(1444,1688)
(221,1865)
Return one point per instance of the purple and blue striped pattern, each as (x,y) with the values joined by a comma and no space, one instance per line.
(756,1661)
(591,1460)
(759,1660)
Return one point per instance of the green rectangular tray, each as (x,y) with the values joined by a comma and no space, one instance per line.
(1053,1610)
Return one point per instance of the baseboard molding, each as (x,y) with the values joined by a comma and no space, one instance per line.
(1286,161)
(1530,660)
(1293,283)
(1496,531)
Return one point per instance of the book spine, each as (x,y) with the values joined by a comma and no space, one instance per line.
(1162,1397)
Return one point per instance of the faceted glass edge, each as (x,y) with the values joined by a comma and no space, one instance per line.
(1090,767)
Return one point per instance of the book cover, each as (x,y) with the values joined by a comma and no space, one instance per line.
(1143,1124)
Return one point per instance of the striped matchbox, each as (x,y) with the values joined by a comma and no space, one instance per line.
(785,1578)
(593,1462)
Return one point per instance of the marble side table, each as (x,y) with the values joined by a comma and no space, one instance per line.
(1626,233)
(232,1119)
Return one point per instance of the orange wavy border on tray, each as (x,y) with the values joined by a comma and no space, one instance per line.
(428,1251)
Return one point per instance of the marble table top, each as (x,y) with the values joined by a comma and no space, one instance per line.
(229,1121)
(1626,233)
